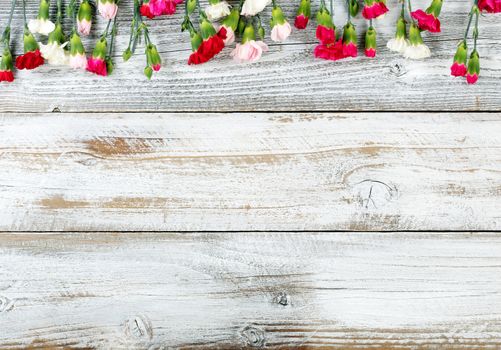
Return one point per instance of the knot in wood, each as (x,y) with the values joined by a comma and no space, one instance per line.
(253,336)
(6,304)
(374,193)
(138,328)
(282,298)
(398,69)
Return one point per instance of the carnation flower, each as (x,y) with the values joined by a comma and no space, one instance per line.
(458,68)
(374,9)
(230,25)
(249,50)
(473,68)
(97,62)
(326,31)
(429,20)
(107,9)
(78,60)
(253,7)
(207,44)
(217,9)
(491,6)
(280,28)
(303,14)
(153,57)
(349,40)
(32,58)
(84,18)
(399,43)
(332,52)
(353,7)
(370,42)
(54,51)
(6,66)
(42,24)
(416,49)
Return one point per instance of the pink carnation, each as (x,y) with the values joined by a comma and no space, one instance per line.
(97,66)
(458,69)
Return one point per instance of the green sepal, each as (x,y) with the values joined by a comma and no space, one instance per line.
(30,44)
(57,35)
(100,49)
(474,63)
(249,33)
(85,11)
(76,46)
(435,8)
(241,25)
(6,61)
(324,18)
(277,16)
(196,40)
(371,38)
(461,55)
(206,29)
(304,8)
(43,10)
(349,34)
(127,54)
(354,7)
(369,2)
(415,35)
(191,6)
(261,33)
(401,28)
(214,2)
(152,55)
(148,72)
(109,65)
(231,21)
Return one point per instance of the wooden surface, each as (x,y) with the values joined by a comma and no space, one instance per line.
(274,290)
(258,171)
(291,144)
(288,78)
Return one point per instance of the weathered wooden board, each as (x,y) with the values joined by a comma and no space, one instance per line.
(250,171)
(156,291)
(288,78)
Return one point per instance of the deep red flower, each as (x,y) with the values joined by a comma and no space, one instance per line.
(471,78)
(331,52)
(6,75)
(325,35)
(427,21)
(209,48)
(375,10)
(145,11)
(97,66)
(370,52)
(491,6)
(458,69)
(30,60)
(301,21)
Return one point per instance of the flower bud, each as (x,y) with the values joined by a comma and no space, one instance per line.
(148,72)
(84,17)
(370,42)
(43,10)
(153,57)
(249,33)
(458,68)
(435,8)
(127,54)
(76,46)
(260,32)
(349,40)
(191,5)
(241,25)
(109,65)
(100,49)
(354,7)
(473,68)
(303,14)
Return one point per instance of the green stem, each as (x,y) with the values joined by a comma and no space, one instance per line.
(25,21)
(348,8)
(409,8)
(113,35)
(59,16)
(475,31)
(6,33)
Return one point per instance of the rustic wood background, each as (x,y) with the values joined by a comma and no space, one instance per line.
(292,203)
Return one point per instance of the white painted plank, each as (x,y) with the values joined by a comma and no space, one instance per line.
(255,171)
(156,291)
(288,78)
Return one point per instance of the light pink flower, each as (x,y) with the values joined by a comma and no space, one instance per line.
(230,34)
(107,10)
(251,51)
(280,32)
(78,61)
(84,26)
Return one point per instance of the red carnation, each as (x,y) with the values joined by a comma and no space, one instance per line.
(331,52)
(6,75)
(30,60)
(325,35)
(375,10)
(301,21)
(145,11)
(370,52)
(491,6)
(458,69)
(427,21)
(209,48)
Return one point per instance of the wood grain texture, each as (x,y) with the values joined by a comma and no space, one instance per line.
(157,291)
(288,78)
(250,171)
